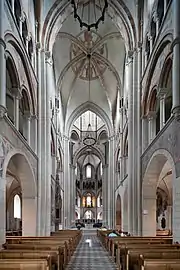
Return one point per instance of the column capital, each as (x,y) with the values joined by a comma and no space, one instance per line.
(151,115)
(16,92)
(34,117)
(72,166)
(162,92)
(139,46)
(66,138)
(121,110)
(155,16)
(130,57)
(28,37)
(48,57)
(38,45)
(21,18)
(111,138)
(27,115)
(150,37)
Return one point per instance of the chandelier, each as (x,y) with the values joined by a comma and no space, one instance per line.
(89,139)
(89,13)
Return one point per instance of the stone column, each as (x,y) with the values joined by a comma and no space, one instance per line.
(135,153)
(27,127)
(2,63)
(176,59)
(152,125)
(156,20)
(145,59)
(34,132)
(121,145)
(67,184)
(43,141)
(48,76)
(151,43)
(130,142)
(16,112)
(104,193)
(39,143)
(72,193)
(144,133)
(111,186)
(139,146)
(29,130)
(17,96)
(162,96)
(53,208)
(2,202)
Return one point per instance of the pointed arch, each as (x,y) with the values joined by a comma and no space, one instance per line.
(91,107)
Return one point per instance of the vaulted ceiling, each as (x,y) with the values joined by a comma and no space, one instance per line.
(89,66)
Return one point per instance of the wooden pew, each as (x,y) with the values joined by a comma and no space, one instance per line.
(61,243)
(124,251)
(160,264)
(26,264)
(63,259)
(51,257)
(156,254)
(131,258)
(115,241)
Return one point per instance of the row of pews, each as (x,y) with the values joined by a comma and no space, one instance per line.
(39,253)
(142,253)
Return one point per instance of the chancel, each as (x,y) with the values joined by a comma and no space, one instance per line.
(89,134)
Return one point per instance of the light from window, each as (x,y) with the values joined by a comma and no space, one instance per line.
(88,171)
(88,201)
(17,206)
(76,171)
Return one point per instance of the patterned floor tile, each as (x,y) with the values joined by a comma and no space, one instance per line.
(90,255)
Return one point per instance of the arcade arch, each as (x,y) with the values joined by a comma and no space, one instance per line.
(157,193)
(19,176)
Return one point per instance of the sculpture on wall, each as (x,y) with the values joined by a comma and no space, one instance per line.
(161,203)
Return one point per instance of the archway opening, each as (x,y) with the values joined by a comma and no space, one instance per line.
(157,196)
(88,165)
(21,197)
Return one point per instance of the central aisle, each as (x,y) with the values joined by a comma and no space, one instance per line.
(90,255)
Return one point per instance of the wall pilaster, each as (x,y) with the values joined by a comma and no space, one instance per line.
(48,164)
(130,142)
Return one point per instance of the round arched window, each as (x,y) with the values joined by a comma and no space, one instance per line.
(17,206)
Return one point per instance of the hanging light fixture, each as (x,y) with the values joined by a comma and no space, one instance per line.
(89,139)
(89,13)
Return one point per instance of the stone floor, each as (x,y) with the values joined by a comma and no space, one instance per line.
(90,255)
